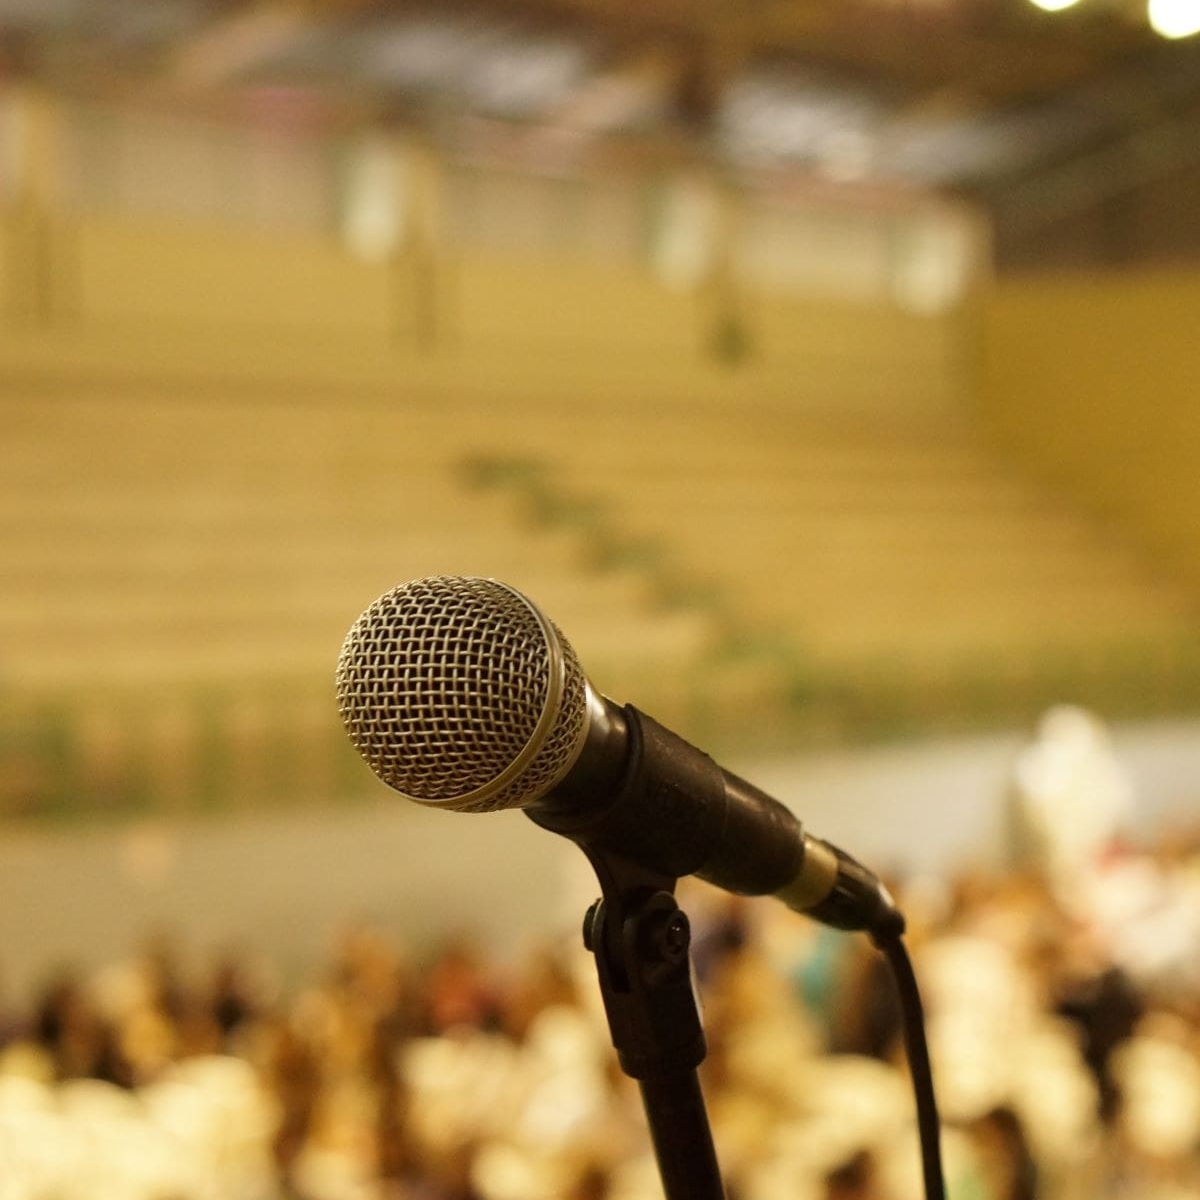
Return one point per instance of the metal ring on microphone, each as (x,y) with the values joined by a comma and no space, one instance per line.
(555,679)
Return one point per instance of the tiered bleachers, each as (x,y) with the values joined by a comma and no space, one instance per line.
(176,558)
(881,547)
(183,556)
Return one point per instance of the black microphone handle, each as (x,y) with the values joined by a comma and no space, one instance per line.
(640,791)
(671,808)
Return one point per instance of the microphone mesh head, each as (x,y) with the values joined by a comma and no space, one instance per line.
(460,693)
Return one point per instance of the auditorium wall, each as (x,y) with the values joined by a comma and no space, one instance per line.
(503,318)
(209,280)
(1094,379)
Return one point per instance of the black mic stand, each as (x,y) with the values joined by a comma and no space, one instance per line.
(640,938)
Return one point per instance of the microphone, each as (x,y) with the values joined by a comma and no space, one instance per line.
(460,693)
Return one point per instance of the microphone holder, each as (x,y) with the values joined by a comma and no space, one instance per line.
(641,939)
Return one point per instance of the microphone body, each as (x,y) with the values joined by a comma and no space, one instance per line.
(465,680)
(642,791)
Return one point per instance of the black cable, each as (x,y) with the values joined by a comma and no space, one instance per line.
(928,1124)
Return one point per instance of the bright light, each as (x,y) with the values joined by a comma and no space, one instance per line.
(1175,18)
(1054,5)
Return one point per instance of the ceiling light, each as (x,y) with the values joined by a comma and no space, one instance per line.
(1054,5)
(1174,18)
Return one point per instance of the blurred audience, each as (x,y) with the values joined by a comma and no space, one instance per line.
(1064,1031)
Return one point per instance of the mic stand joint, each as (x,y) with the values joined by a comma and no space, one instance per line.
(641,939)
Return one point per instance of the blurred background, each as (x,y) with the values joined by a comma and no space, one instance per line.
(827,371)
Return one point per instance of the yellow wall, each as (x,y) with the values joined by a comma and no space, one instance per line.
(148,274)
(874,356)
(1096,379)
(508,320)
(576,303)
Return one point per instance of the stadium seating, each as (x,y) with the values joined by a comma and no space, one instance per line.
(195,544)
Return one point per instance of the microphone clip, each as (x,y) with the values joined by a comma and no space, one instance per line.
(641,940)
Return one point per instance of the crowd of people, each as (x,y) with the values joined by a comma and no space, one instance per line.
(1062,1004)
(1064,1067)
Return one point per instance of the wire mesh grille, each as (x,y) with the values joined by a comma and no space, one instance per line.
(454,691)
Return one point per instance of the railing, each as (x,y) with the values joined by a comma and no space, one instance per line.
(173,750)
(125,219)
